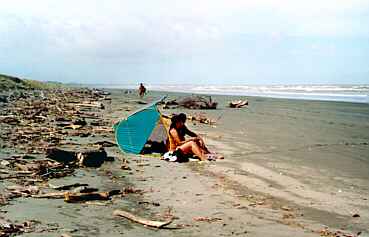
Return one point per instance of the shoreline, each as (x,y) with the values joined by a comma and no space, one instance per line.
(330,96)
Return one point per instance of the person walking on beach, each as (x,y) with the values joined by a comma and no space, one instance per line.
(188,147)
(141,90)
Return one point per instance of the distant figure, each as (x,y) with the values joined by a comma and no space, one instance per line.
(142,90)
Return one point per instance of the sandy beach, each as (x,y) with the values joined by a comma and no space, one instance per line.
(291,168)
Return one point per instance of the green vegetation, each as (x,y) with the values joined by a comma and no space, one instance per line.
(33,84)
(11,83)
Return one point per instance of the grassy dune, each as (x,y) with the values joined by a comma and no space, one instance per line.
(12,83)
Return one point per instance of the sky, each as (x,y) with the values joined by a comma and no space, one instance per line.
(186,42)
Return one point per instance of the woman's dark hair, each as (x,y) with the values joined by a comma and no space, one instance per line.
(182,117)
(177,118)
(173,121)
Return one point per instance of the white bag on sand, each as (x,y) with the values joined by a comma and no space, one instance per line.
(169,156)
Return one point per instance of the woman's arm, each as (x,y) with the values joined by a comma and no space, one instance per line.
(177,140)
(190,133)
(196,138)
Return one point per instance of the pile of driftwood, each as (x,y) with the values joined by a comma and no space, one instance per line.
(30,173)
(7,228)
(82,193)
(191,102)
(36,127)
(201,118)
(38,120)
(37,124)
(87,158)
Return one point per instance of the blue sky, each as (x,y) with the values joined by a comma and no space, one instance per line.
(201,42)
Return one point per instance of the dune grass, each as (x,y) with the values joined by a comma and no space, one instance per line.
(11,83)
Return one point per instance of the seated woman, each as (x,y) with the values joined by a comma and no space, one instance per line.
(189,147)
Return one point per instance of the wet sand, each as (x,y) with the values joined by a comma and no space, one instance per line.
(291,168)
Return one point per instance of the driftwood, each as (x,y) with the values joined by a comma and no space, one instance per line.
(76,197)
(238,103)
(81,197)
(92,104)
(3,99)
(77,124)
(201,118)
(84,189)
(4,163)
(94,158)
(73,126)
(104,144)
(192,102)
(28,167)
(89,158)
(17,175)
(96,203)
(4,172)
(22,189)
(102,129)
(45,114)
(61,156)
(36,124)
(206,219)
(8,228)
(9,119)
(65,235)
(36,169)
(67,187)
(140,220)
(50,195)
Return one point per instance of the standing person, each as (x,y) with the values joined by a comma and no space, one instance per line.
(142,90)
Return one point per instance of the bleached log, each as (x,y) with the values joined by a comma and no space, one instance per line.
(140,220)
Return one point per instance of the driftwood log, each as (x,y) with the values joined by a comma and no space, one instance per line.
(192,102)
(8,228)
(66,235)
(91,105)
(88,158)
(201,118)
(94,158)
(75,197)
(68,186)
(238,103)
(81,197)
(61,156)
(140,220)
(50,195)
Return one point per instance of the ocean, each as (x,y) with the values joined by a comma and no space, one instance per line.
(347,93)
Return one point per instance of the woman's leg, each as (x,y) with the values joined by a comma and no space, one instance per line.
(193,148)
(213,155)
(201,144)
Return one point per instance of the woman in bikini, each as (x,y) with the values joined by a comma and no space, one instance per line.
(192,146)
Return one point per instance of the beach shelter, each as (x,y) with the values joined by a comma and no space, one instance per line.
(144,126)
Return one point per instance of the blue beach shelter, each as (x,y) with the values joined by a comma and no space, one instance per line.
(146,124)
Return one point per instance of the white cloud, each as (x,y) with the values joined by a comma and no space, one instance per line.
(146,31)
(198,12)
